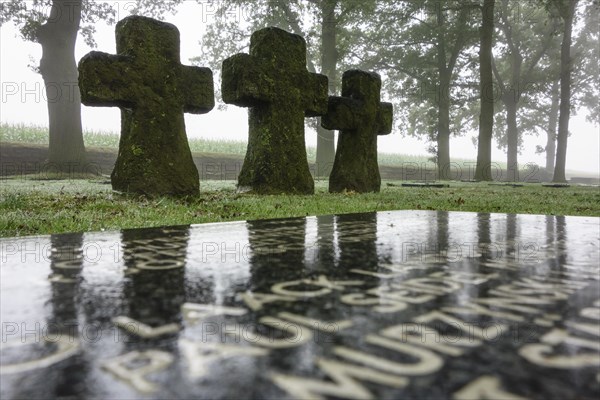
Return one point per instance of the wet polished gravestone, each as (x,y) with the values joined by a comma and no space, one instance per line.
(390,305)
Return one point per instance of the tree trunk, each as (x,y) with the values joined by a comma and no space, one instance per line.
(59,71)
(511,97)
(512,134)
(565,92)
(443,138)
(443,101)
(483,171)
(326,138)
(551,132)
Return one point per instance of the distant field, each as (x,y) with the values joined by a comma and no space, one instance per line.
(39,135)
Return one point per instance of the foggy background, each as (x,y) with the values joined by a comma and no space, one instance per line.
(28,104)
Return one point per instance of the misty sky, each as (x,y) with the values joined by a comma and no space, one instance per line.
(28,104)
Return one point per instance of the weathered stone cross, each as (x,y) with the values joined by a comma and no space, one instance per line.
(274,83)
(360,116)
(153,89)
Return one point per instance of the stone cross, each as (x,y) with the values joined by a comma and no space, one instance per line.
(360,116)
(274,83)
(153,89)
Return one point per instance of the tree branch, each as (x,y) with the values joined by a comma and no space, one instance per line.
(497,75)
(295,25)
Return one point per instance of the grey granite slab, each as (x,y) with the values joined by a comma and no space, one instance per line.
(405,304)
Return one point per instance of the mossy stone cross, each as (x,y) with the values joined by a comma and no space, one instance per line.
(274,83)
(360,116)
(153,89)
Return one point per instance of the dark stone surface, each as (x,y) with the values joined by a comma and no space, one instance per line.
(274,83)
(408,304)
(556,185)
(360,116)
(426,184)
(153,89)
(508,184)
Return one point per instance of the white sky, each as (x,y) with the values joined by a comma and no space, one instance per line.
(28,104)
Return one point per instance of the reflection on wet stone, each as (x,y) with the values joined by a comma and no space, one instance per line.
(155,289)
(55,340)
(387,305)
(357,238)
(66,263)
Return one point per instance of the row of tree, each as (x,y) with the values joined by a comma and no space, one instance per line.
(489,65)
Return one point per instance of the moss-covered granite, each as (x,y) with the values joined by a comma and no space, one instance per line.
(360,116)
(153,89)
(274,83)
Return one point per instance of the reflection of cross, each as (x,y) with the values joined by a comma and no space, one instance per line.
(360,116)
(153,89)
(273,82)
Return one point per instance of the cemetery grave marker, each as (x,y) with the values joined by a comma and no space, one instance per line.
(556,185)
(360,117)
(507,184)
(273,82)
(426,184)
(153,90)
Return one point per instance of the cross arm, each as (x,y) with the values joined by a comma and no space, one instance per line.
(198,89)
(244,83)
(385,117)
(104,80)
(342,113)
(317,95)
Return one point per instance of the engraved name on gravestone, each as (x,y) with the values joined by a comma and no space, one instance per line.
(153,90)
(274,83)
(360,116)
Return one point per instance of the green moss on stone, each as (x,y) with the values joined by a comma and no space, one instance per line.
(360,116)
(136,150)
(147,81)
(273,82)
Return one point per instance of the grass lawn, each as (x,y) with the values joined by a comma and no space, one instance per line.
(30,207)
